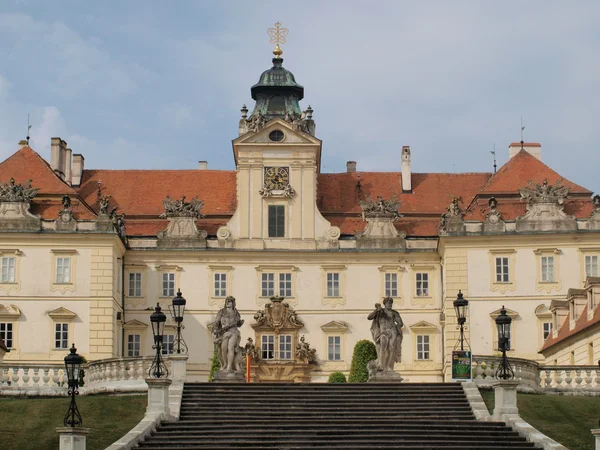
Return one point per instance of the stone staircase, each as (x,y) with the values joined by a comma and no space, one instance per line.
(329,416)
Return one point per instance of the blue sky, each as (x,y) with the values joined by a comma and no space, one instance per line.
(155,84)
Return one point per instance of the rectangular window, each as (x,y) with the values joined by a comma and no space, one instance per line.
(63,270)
(133,345)
(220,285)
(8,269)
(285,284)
(502,270)
(391,285)
(135,285)
(422,284)
(334,348)
(268,285)
(509,344)
(168,284)
(61,335)
(333,284)
(6,334)
(285,346)
(276,221)
(423,346)
(548,269)
(267,346)
(591,266)
(547,329)
(168,344)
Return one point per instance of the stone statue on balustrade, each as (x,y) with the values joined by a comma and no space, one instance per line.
(226,335)
(386,330)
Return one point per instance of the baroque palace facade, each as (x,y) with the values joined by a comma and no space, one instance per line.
(87,253)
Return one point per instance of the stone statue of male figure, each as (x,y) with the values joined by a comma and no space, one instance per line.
(386,330)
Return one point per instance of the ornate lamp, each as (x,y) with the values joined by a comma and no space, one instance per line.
(177,310)
(503,322)
(73,366)
(460,306)
(157,320)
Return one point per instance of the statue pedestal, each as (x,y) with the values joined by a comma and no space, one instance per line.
(505,394)
(596,433)
(229,377)
(158,395)
(72,438)
(385,377)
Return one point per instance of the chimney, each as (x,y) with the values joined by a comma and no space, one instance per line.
(406,175)
(56,156)
(67,163)
(202,165)
(532,148)
(78,161)
(351,166)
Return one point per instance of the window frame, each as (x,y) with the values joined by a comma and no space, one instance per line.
(277,221)
(389,290)
(276,270)
(136,327)
(542,284)
(220,284)
(331,355)
(588,252)
(424,280)
(330,271)
(168,340)
(431,331)
(9,342)
(14,285)
(502,286)
(10,275)
(63,285)
(429,299)
(213,270)
(392,269)
(60,329)
(423,353)
(131,351)
(334,329)
(135,285)
(168,269)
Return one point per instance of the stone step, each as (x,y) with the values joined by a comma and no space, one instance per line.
(332,446)
(335,421)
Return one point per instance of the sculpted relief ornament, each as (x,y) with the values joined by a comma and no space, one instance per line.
(452,220)
(493,222)
(594,220)
(545,204)
(15,201)
(182,231)
(380,231)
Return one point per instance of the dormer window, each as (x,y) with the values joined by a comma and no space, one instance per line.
(276,135)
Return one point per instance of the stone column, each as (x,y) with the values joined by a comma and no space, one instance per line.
(179,367)
(72,438)
(506,398)
(596,433)
(158,395)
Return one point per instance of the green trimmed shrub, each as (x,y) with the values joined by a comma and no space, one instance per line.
(364,351)
(337,377)
(214,367)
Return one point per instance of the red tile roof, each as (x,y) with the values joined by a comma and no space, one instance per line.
(522,168)
(581,324)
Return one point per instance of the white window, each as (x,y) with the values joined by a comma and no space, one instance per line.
(8,269)
(391,285)
(6,333)
(135,285)
(61,335)
(334,348)
(133,345)
(267,346)
(220,285)
(423,346)
(548,269)
(333,284)
(502,270)
(268,285)
(285,346)
(168,344)
(422,284)
(63,270)
(547,329)
(591,266)
(285,284)
(168,284)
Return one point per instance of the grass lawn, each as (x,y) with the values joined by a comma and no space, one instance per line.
(29,423)
(566,419)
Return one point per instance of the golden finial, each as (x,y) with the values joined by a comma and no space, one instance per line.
(278,36)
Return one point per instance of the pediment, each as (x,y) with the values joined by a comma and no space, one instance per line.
(509,312)
(334,326)
(9,312)
(291,136)
(423,326)
(62,314)
(135,325)
(542,311)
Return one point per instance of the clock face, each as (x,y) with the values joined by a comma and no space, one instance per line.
(277,178)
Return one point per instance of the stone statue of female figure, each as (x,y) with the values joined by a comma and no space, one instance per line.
(227,336)
(386,330)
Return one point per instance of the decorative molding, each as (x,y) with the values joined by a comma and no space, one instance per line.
(335,327)
(64,251)
(135,325)
(62,315)
(423,326)
(545,206)
(9,312)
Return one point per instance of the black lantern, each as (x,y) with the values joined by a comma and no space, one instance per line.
(157,320)
(460,305)
(177,309)
(503,322)
(73,367)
